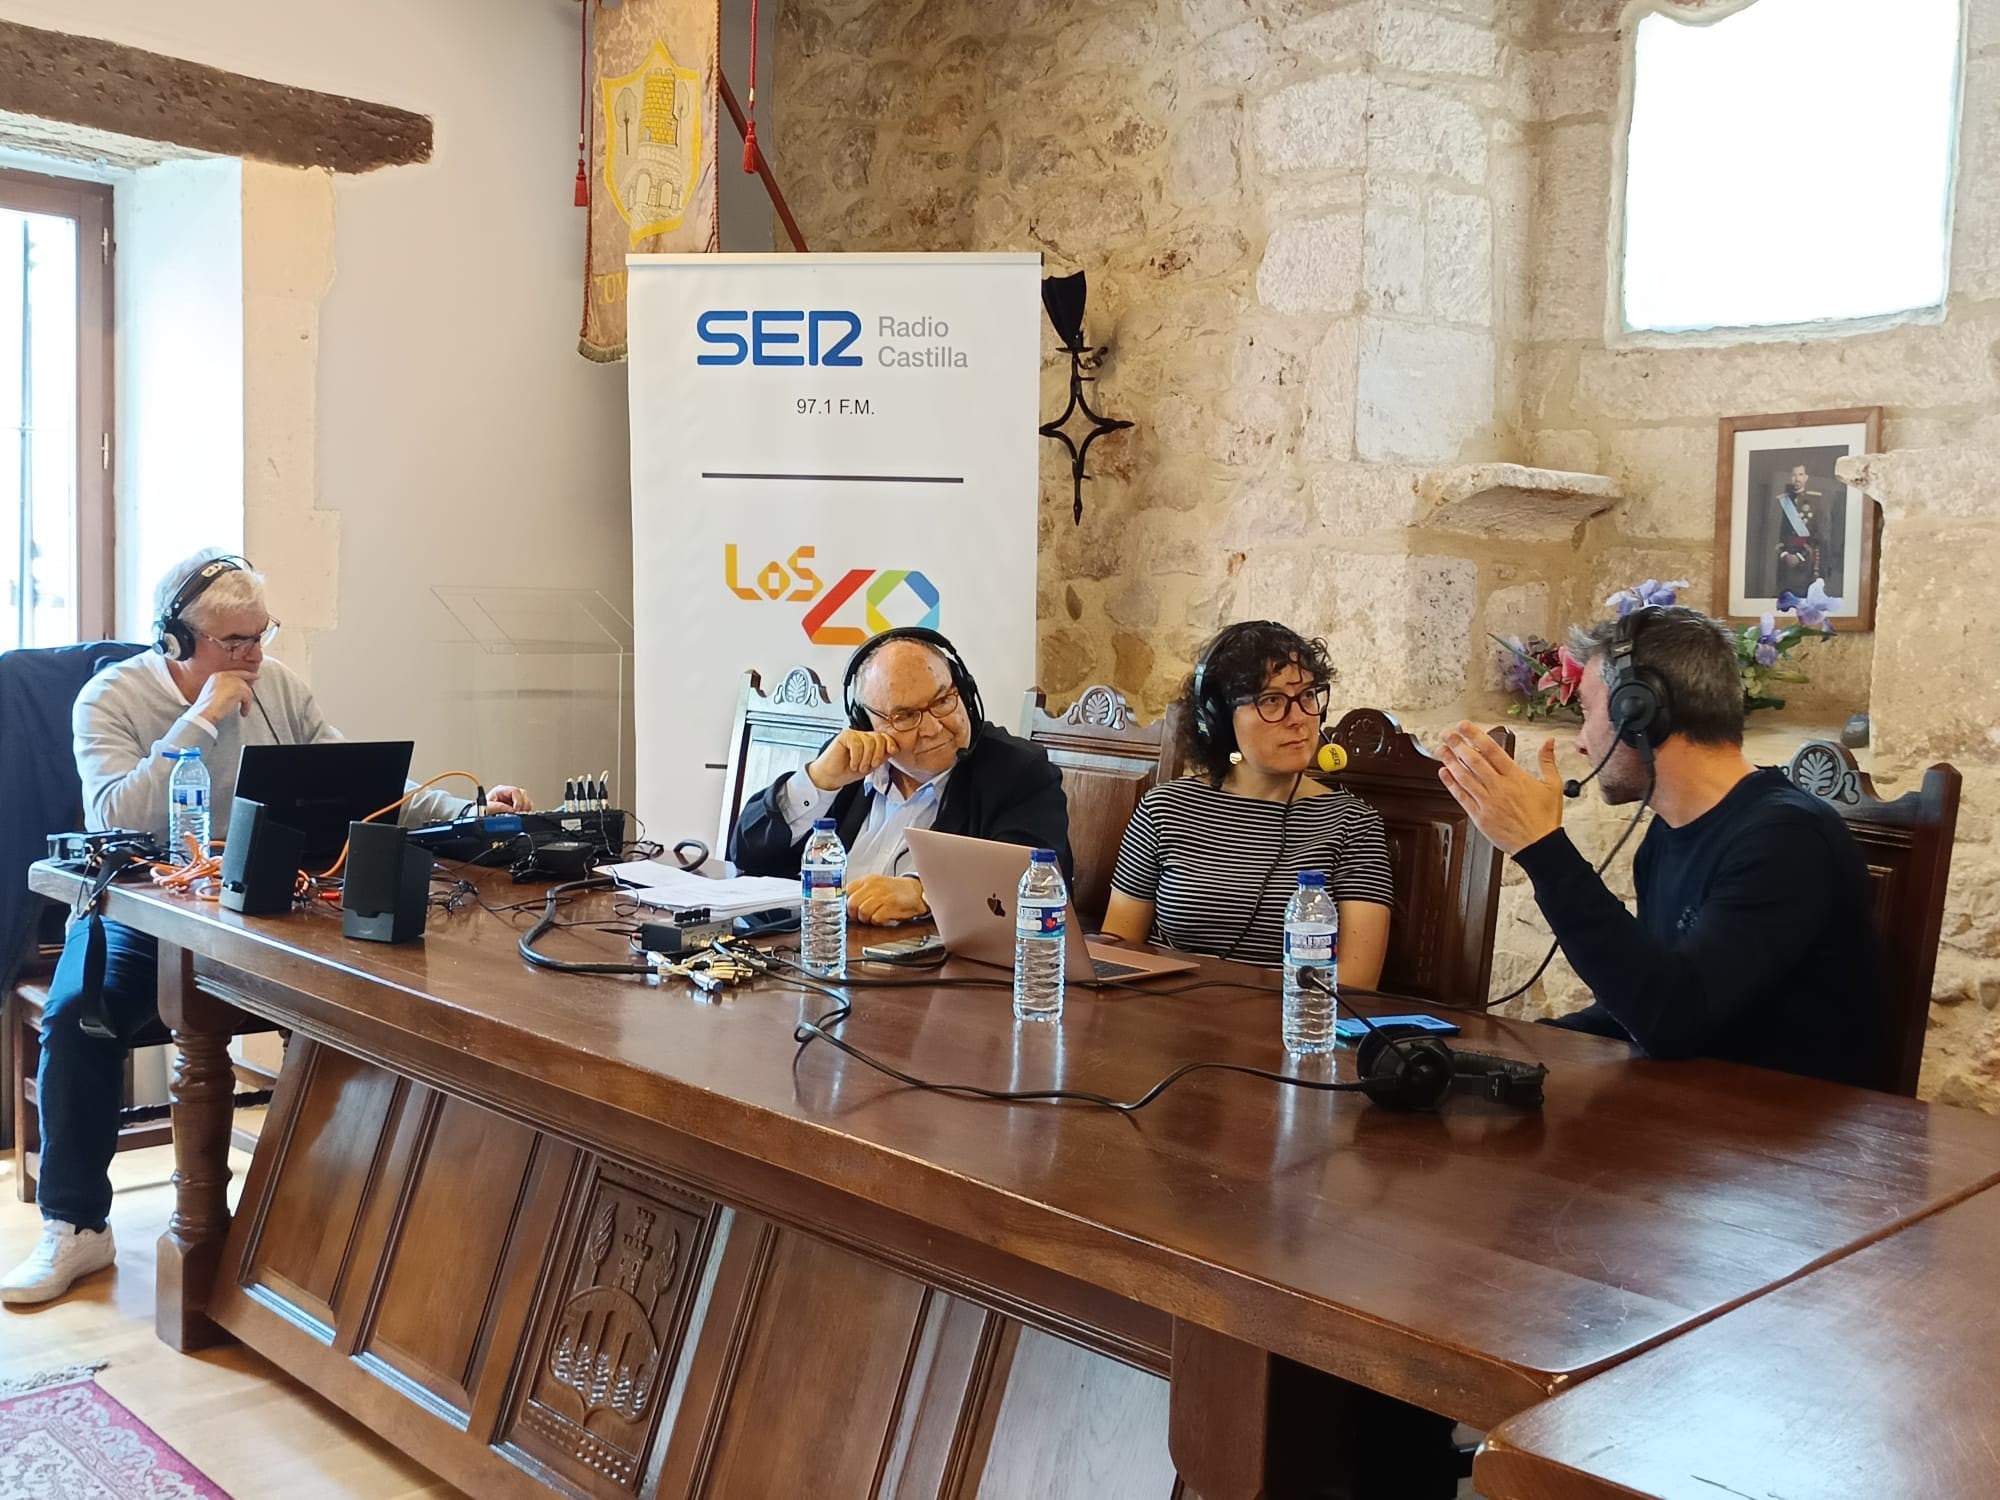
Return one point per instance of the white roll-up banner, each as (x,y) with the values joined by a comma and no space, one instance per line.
(823,446)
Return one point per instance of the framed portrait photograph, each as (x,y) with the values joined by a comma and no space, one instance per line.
(1783,521)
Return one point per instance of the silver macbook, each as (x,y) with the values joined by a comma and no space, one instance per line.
(970,885)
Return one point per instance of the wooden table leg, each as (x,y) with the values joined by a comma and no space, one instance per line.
(1218,1414)
(202,1093)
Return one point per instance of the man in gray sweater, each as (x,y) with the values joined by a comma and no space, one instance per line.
(207,685)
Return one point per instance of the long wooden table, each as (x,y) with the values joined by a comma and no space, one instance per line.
(1877,1377)
(592,1236)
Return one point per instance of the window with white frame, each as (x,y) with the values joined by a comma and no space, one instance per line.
(1790,163)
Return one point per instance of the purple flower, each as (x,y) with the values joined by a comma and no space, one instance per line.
(1517,668)
(1767,643)
(1813,609)
(1648,594)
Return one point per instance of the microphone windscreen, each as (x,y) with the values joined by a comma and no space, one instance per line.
(1332,758)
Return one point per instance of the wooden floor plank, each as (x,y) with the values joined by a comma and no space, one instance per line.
(236,1417)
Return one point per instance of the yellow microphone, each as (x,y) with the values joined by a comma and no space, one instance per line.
(1331,757)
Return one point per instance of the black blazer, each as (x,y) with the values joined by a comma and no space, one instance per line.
(1004,789)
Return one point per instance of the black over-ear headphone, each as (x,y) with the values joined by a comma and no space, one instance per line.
(1641,705)
(1403,1067)
(961,679)
(1211,714)
(172,637)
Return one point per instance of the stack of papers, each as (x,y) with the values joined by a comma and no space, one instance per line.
(675,889)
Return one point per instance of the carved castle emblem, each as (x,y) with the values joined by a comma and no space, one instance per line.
(606,1348)
(652,156)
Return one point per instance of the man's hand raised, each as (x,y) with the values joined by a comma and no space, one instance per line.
(853,754)
(1512,807)
(225,693)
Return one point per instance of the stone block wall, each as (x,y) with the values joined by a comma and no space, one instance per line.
(1305,224)
(1647,418)
(1336,247)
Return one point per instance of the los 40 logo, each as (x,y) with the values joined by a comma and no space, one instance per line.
(881,593)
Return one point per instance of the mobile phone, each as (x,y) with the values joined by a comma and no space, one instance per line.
(1350,1029)
(903,950)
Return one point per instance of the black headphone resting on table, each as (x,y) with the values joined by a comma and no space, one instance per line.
(1402,1067)
(961,679)
(173,637)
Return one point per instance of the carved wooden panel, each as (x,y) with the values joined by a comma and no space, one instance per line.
(1108,760)
(532,1320)
(298,1243)
(1071,1422)
(438,1280)
(827,1338)
(1446,877)
(609,1330)
(1421,866)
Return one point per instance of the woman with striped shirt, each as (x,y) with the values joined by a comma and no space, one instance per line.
(1209,861)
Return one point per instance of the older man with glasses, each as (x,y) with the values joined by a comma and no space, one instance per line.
(207,686)
(917,754)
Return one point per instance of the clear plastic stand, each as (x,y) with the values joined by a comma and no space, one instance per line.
(544,683)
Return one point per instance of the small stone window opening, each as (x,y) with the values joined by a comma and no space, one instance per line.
(1789,163)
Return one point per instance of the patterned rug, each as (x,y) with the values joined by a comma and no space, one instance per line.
(69,1438)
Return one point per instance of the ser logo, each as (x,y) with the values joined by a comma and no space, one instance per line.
(778,337)
(860,603)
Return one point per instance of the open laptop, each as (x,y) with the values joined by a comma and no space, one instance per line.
(320,789)
(970,885)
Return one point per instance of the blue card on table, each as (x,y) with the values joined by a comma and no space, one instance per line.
(1349,1029)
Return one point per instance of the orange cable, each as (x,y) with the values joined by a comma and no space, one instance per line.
(441,777)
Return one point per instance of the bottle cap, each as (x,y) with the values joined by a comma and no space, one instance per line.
(824,825)
(1044,857)
(1315,879)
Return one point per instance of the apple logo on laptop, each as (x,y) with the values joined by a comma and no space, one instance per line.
(995,905)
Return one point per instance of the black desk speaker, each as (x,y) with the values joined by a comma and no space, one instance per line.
(387,891)
(260,861)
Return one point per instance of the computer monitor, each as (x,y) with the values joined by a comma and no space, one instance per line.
(320,789)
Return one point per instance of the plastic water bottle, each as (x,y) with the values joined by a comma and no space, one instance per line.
(1041,936)
(187,805)
(1312,941)
(823,900)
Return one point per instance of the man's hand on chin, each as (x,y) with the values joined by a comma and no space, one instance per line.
(879,900)
(1512,807)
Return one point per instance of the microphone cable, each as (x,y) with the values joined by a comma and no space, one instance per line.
(1257,905)
(549,922)
(820,1029)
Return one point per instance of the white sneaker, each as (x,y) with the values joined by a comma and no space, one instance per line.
(63,1254)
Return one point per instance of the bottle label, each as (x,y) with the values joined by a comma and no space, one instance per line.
(1034,919)
(822,885)
(1310,945)
(190,796)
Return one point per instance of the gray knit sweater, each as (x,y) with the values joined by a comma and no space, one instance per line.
(130,716)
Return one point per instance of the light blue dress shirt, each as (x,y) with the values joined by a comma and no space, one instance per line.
(880,848)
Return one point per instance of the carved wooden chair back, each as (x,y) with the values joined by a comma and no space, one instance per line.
(1907,843)
(774,733)
(1108,759)
(1447,876)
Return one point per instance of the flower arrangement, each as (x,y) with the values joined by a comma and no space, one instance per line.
(1544,677)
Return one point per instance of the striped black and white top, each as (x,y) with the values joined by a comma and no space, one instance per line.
(1200,854)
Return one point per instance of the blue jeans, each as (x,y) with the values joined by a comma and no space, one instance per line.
(82,1080)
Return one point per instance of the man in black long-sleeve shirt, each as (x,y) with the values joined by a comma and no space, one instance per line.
(1752,940)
